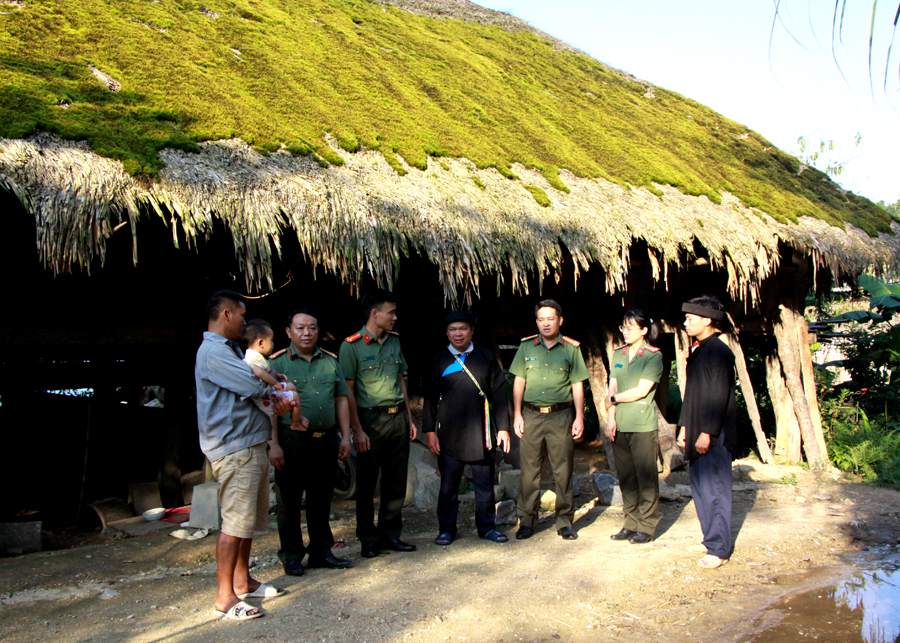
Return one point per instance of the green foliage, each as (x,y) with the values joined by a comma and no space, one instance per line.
(479,182)
(788,480)
(893,209)
(860,416)
(287,71)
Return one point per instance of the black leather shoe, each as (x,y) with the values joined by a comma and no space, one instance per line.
(566,533)
(293,568)
(395,544)
(329,561)
(369,550)
(524,533)
(625,534)
(640,538)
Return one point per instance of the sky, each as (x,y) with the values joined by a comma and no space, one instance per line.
(786,84)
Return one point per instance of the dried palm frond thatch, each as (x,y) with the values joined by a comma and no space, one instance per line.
(363,217)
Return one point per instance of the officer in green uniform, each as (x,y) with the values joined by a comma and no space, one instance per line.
(305,460)
(548,400)
(632,425)
(379,410)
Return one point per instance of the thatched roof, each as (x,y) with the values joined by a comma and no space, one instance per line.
(362,217)
(449,139)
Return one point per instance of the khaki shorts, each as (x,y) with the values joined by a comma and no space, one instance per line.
(244,491)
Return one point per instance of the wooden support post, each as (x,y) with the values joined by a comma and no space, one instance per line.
(749,398)
(599,380)
(788,352)
(809,379)
(787,430)
(682,350)
(672,454)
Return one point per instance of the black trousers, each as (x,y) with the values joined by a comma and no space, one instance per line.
(636,455)
(310,464)
(388,453)
(711,481)
(448,498)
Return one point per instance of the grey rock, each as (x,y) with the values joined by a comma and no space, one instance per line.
(506,513)
(511,480)
(205,512)
(576,485)
(467,499)
(499,493)
(548,500)
(604,480)
(608,492)
(821,496)
(417,453)
(668,493)
(428,484)
(107,594)
(684,490)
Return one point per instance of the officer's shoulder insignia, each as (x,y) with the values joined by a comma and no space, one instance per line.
(390,332)
(352,338)
(571,341)
(530,337)
(278,353)
(652,349)
(618,348)
(328,353)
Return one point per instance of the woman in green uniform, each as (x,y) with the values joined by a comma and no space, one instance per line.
(632,425)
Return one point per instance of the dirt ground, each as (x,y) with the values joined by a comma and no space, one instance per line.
(542,589)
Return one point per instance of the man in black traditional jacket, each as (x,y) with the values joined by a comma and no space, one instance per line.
(708,430)
(458,423)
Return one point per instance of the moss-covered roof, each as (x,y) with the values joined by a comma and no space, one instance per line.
(133,77)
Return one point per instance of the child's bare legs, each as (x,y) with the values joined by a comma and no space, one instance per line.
(298,422)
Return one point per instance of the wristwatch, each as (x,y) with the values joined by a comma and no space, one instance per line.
(612,398)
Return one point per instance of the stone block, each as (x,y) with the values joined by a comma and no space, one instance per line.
(144,496)
(576,485)
(684,490)
(548,500)
(17,538)
(467,500)
(608,492)
(420,453)
(428,484)
(511,480)
(499,493)
(205,512)
(506,513)
(668,493)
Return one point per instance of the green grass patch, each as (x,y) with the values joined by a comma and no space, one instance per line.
(539,195)
(285,72)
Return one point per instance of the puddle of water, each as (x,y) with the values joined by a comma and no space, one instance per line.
(865,608)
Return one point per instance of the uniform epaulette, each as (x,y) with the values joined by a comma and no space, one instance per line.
(328,352)
(390,332)
(652,349)
(352,338)
(618,348)
(278,353)
(525,339)
(571,341)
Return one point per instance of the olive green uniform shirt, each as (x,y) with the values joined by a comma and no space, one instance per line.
(373,367)
(319,381)
(549,372)
(638,416)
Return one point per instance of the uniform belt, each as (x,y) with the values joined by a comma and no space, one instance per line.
(306,432)
(386,410)
(553,408)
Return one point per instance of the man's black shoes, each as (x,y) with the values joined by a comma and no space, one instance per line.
(524,533)
(395,544)
(640,538)
(329,561)
(369,550)
(293,568)
(566,533)
(625,534)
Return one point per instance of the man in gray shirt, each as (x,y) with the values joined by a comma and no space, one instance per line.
(233,436)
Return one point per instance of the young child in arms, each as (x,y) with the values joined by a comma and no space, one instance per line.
(259,338)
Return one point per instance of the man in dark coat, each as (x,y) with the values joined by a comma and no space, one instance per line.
(708,430)
(466,415)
